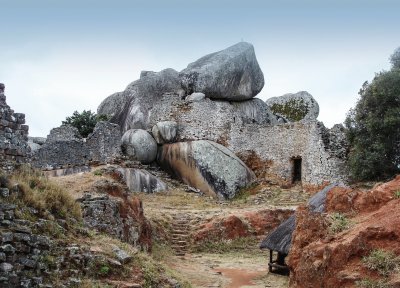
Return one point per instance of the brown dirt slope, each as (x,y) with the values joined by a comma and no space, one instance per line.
(321,258)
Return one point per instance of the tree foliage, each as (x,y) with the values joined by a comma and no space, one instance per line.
(84,122)
(374,127)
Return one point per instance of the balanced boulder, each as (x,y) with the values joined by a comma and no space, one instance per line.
(232,74)
(207,166)
(294,107)
(165,131)
(139,145)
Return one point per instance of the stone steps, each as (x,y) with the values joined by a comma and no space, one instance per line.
(180,234)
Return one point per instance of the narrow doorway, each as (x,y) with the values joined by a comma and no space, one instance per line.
(296,170)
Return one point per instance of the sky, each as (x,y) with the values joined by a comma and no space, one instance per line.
(60,56)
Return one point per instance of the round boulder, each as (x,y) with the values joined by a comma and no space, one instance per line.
(165,132)
(139,145)
(300,106)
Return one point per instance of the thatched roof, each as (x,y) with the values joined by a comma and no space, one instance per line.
(280,239)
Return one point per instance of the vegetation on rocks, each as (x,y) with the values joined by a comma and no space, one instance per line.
(338,222)
(374,127)
(294,110)
(382,261)
(85,121)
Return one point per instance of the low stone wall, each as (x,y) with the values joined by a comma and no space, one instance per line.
(64,147)
(14,146)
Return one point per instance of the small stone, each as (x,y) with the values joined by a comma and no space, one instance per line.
(122,256)
(195,97)
(6,267)
(8,249)
(29,263)
(4,192)
(6,237)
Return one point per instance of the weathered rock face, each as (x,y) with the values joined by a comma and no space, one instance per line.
(64,147)
(117,214)
(319,259)
(139,145)
(207,166)
(131,108)
(231,74)
(139,180)
(165,132)
(294,107)
(210,120)
(14,146)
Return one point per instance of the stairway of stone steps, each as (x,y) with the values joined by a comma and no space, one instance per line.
(180,234)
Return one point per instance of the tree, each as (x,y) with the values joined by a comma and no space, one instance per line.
(85,121)
(395,59)
(374,127)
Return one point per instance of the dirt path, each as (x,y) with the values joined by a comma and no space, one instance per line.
(231,270)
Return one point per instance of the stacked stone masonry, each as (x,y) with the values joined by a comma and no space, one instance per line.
(65,148)
(14,146)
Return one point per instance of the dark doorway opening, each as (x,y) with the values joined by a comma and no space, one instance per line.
(296,170)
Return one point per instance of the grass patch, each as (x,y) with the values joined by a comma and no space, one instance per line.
(161,251)
(368,283)
(397,194)
(382,261)
(156,274)
(37,191)
(225,246)
(338,223)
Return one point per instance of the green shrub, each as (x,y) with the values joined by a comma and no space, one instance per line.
(397,194)
(85,121)
(338,223)
(373,128)
(104,270)
(382,261)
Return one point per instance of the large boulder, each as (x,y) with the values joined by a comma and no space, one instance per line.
(232,74)
(300,106)
(131,108)
(165,131)
(139,145)
(139,180)
(207,166)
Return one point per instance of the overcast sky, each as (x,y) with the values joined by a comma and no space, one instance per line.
(60,56)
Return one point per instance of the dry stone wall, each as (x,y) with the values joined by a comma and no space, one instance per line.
(280,144)
(322,151)
(14,146)
(64,147)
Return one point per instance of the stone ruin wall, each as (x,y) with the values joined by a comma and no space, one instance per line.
(65,150)
(323,151)
(14,148)
(278,145)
